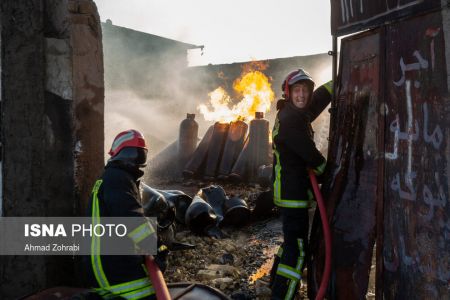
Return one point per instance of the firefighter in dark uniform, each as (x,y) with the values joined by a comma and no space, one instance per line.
(294,152)
(117,194)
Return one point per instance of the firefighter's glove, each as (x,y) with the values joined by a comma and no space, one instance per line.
(161,257)
(319,170)
(327,173)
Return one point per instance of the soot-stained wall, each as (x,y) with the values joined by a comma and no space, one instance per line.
(51,124)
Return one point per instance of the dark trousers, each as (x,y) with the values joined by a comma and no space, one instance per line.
(290,260)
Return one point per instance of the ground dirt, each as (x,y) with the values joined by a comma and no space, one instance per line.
(249,249)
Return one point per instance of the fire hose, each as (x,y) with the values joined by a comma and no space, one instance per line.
(327,235)
(157,279)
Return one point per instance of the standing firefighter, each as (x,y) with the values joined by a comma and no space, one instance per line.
(294,152)
(116,194)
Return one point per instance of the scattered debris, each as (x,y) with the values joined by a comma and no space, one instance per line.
(237,257)
(262,289)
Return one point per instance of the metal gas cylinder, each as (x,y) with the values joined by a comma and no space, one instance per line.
(233,147)
(239,170)
(187,139)
(215,150)
(258,145)
(198,159)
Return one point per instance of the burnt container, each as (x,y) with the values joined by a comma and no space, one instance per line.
(236,211)
(239,171)
(200,215)
(187,139)
(258,145)
(215,150)
(233,147)
(198,159)
(179,200)
(216,197)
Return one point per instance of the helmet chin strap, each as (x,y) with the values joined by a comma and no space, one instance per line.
(135,170)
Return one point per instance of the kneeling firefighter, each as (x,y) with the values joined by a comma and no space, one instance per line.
(294,152)
(116,194)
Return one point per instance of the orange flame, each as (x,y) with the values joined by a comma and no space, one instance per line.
(266,266)
(257,95)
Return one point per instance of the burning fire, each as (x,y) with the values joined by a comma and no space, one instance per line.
(266,266)
(257,95)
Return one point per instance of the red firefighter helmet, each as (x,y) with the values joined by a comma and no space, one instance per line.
(128,138)
(294,77)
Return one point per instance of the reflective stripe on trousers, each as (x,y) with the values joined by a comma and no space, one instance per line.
(136,289)
(293,274)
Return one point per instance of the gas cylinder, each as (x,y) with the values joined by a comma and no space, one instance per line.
(258,145)
(239,171)
(198,159)
(187,139)
(233,147)
(215,150)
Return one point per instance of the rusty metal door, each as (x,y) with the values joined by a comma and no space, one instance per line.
(389,142)
(415,260)
(351,194)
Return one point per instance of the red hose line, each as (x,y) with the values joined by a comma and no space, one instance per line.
(327,235)
(157,279)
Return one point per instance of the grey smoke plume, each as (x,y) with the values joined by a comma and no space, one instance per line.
(149,87)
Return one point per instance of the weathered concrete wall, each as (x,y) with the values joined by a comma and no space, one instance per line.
(52,124)
(23,69)
(88,95)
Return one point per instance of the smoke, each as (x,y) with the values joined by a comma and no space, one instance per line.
(321,125)
(157,118)
(126,110)
(146,87)
(149,87)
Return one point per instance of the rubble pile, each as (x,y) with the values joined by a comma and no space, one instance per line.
(225,264)
(238,266)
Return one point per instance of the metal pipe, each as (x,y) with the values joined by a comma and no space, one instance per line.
(334,71)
